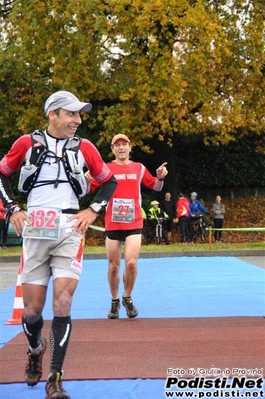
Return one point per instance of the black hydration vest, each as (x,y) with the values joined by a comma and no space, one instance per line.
(39,152)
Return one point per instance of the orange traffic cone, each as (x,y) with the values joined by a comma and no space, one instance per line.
(18,307)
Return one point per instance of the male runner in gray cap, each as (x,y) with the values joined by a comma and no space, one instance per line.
(53,226)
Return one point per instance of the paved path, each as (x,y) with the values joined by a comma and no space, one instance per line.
(8,275)
(255,260)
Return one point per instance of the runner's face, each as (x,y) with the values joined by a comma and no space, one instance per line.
(121,149)
(64,124)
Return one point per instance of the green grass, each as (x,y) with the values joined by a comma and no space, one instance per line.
(11,251)
(202,247)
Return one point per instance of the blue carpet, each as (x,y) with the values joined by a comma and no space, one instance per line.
(165,287)
(122,389)
(116,389)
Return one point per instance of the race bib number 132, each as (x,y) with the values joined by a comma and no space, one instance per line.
(45,223)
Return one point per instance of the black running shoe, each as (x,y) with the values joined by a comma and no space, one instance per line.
(114,310)
(129,306)
(54,387)
(33,370)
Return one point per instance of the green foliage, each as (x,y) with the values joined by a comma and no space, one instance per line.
(156,70)
(150,68)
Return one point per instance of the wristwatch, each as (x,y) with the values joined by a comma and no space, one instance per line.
(13,209)
(98,207)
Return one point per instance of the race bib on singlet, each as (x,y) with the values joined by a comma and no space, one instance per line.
(45,223)
(123,210)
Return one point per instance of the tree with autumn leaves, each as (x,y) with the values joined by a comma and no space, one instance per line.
(157,70)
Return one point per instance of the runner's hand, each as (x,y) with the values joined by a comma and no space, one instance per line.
(162,171)
(84,219)
(18,220)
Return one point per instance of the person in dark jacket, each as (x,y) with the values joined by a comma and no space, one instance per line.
(169,208)
(218,214)
(3,225)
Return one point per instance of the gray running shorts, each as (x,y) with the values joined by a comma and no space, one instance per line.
(58,258)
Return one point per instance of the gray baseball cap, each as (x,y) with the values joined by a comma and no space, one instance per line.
(65,100)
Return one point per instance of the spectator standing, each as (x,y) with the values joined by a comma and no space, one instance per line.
(3,225)
(218,214)
(196,208)
(168,206)
(183,209)
(155,213)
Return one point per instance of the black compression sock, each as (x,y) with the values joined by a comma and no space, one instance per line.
(32,331)
(60,335)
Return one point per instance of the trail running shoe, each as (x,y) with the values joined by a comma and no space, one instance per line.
(129,306)
(54,387)
(114,310)
(33,370)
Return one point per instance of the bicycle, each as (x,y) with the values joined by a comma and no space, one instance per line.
(198,229)
(157,231)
